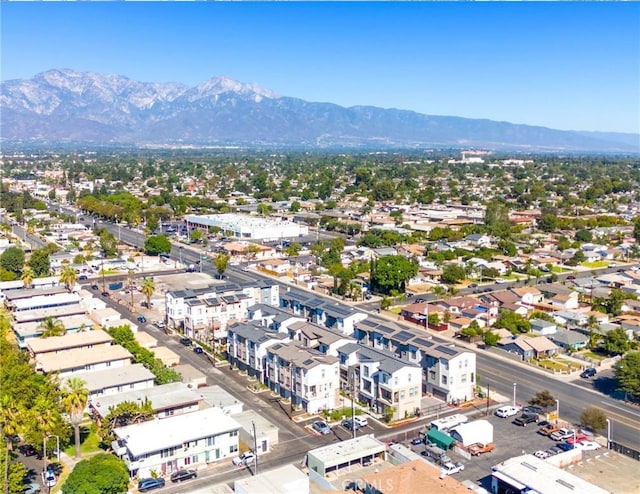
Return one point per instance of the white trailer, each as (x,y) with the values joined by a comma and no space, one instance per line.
(478,431)
(449,422)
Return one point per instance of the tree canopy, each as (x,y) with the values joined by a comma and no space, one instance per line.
(157,244)
(12,259)
(627,372)
(392,272)
(100,474)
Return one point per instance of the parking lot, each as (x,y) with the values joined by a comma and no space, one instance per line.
(509,439)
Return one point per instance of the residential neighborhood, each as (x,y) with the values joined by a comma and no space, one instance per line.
(218,345)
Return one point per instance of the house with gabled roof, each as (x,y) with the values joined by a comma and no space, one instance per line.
(529,347)
(570,340)
(528,295)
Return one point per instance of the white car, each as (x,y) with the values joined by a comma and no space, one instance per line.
(541,454)
(507,411)
(589,445)
(244,459)
(451,468)
(562,434)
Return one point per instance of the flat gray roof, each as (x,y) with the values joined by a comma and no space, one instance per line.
(347,451)
(117,376)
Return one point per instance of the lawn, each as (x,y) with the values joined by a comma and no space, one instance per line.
(592,355)
(595,264)
(553,364)
(89,442)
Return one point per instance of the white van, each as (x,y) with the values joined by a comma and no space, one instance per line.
(361,421)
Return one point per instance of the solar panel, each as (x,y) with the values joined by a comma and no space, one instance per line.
(368,323)
(447,350)
(403,336)
(423,342)
(307,362)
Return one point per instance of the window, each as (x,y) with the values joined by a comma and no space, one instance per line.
(366,371)
(444,380)
(211,441)
(463,378)
(402,394)
(409,377)
(233,434)
(187,460)
(432,374)
(233,448)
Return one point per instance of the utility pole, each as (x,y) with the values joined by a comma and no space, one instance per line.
(255,447)
(103,282)
(292,386)
(353,404)
(488,389)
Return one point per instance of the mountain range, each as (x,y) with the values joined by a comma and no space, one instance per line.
(63,105)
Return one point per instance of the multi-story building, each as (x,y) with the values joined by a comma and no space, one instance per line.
(307,377)
(189,440)
(320,311)
(248,344)
(386,383)
(449,372)
(226,302)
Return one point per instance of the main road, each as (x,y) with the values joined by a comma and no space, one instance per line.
(497,372)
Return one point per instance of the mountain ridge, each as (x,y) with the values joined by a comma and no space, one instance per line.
(64,104)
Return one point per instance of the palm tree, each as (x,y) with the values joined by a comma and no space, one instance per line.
(10,422)
(75,401)
(147,289)
(52,327)
(27,276)
(68,276)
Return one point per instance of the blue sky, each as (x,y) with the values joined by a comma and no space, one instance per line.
(572,65)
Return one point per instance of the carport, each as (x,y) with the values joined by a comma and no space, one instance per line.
(440,439)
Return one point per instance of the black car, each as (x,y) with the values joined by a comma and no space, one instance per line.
(587,373)
(417,441)
(526,418)
(185,341)
(106,294)
(532,410)
(198,349)
(149,484)
(83,277)
(27,450)
(181,475)
(94,287)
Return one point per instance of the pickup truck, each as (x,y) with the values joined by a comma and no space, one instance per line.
(526,418)
(479,448)
(548,429)
(451,468)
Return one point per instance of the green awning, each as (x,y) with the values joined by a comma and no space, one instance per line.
(439,438)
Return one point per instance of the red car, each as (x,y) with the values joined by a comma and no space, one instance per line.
(578,439)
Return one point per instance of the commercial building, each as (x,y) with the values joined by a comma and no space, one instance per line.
(190,440)
(249,227)
(356,451)
(284,480)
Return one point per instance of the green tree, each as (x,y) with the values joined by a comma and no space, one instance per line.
(147,288)
(220,262)
(100,474)
(27,276)
(453,273)
(295,206)
(293,249)
(627,373)
(616,342)
(68,276)
(157,244)
(52,327)
(490,338)
(392,273)
(543,399)
(513,321)
(74,399)
(12,259)
(496,219)
(39,263)
(123,414)
(594,418)
(583,236)
(108,243)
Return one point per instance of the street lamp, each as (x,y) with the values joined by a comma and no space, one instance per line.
(608,434)
(515,385)
(557,410)
(57,445)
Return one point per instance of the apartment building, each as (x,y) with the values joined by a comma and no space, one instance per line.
(247,345)
(309,378)
(320,311)
(189,440)
(389,385)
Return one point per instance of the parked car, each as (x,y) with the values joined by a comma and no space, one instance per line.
(94,287)
(27,450)
(548,429)
(142,319)
(565,446)
(83,277)
(589,446)
(350,425)
(55,467)
(507,411)
(416,441)
(451,468)
(321,427)
(106,294)
(149,484)
(526,418)
(159,324)
(587,373)
(181,475)
(541,454)
(479,448)
(561,434)
(185,341)
(553,450)
(578,438)
(198,349)
(244,459)
(532,409)
(361,421)
(32,488)
(49,478)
